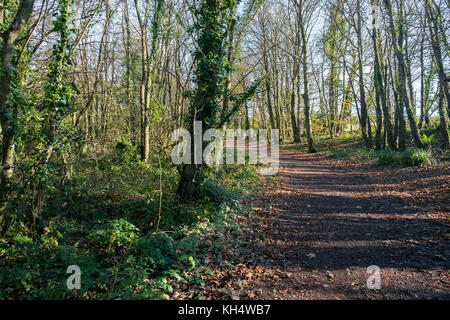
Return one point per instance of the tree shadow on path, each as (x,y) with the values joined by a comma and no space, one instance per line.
(331,225)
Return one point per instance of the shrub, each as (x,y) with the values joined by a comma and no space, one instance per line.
(160,249)
(214,192)
(409,158)
(125,151)
(389,157)
(30,270)
(117,235)
(417,157)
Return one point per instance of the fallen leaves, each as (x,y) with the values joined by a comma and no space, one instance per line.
(376,204)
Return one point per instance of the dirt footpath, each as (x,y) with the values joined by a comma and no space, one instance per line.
(328,222)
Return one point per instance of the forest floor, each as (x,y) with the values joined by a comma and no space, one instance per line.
(325,221)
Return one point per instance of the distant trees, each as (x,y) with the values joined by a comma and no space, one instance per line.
(367,64)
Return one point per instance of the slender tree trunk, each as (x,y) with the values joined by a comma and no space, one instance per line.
(422,79)
(306,99)
(269,93)
(381,92)
(144,85)
(362,90)
(128,65)
(443,120)
(295,130)
(436,46)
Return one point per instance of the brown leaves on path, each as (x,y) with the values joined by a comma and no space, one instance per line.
(313,234)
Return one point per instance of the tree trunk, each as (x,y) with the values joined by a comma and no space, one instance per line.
(8,116)
(397,39)
(381,92)
(212,24)
(443,120)
(436,46)
(306,99)
(362,91)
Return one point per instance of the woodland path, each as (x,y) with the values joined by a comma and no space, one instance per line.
(328,224)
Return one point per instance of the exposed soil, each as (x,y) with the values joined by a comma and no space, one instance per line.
(327,221)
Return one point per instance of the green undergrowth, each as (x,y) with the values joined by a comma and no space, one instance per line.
(407,158)
(111,221)
(431,155)
(351,146)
